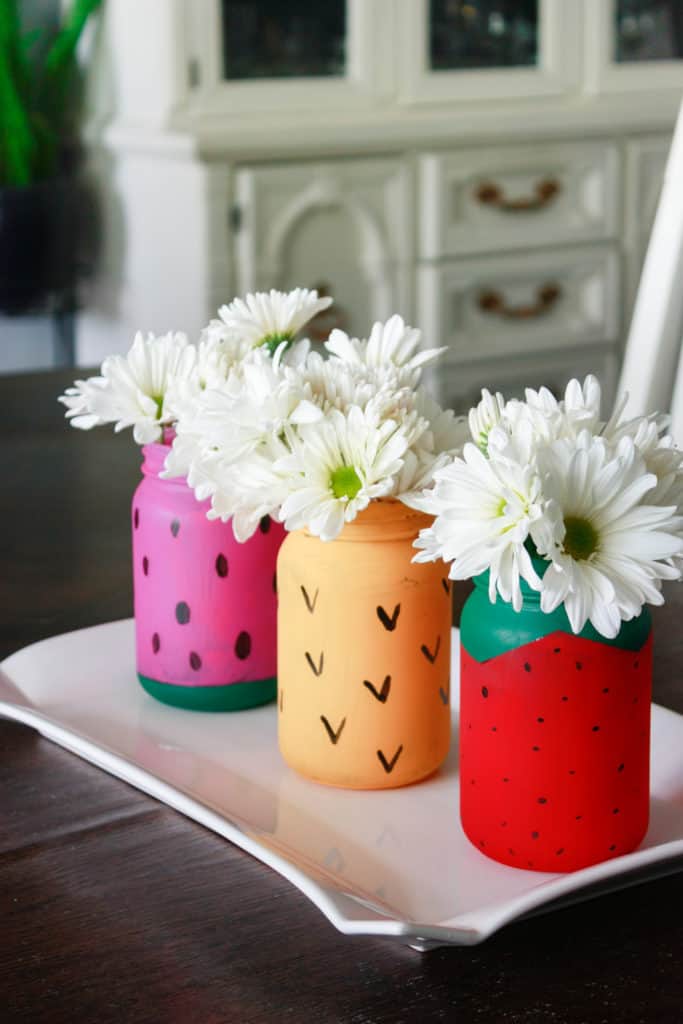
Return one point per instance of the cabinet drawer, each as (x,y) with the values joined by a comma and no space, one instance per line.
(531,302)
(459,387)
(486,200)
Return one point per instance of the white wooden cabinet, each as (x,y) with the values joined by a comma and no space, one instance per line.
(494,181)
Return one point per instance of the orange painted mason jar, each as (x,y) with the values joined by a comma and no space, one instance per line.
(363,653)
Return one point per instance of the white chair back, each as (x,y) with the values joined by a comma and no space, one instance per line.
(652,371)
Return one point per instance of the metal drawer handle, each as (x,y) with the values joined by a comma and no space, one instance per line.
(493,302)
(545,192)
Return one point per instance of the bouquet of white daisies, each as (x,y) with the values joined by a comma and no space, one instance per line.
(586,512)
(311,439)
(262,425)
(160,374)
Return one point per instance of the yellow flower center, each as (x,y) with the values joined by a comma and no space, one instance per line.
(345,482)
(581,538)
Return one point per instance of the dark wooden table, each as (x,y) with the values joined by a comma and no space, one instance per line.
(114,908)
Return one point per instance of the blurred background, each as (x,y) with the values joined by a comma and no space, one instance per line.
(489,169)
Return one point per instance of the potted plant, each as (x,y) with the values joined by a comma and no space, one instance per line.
(40,197)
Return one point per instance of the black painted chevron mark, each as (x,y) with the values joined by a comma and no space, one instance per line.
(334,736)
(428,654)
(382,694)
(309,604)
(446,585)
(315,669)
(444,695)
(388,623)
(389,765)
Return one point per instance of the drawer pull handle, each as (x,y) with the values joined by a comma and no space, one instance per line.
(493,302)
(544,192)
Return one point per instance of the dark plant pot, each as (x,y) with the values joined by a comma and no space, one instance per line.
(41,231)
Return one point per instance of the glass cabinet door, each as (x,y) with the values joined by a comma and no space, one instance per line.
(266,39)
(464,50)
(647,30)
(466,35)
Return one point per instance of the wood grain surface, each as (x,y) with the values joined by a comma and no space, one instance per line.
(116,909)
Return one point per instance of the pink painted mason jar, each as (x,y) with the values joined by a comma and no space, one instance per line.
(205,605)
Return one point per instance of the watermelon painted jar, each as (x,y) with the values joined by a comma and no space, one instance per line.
(554,734)
(205,605)
(363,653)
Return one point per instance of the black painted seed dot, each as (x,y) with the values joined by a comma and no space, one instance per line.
(559,852)
(534,835)
(615,811)
(596,728)
(572,772)
(182,612)
(136,518)
(195,661)
(542,800)
(175,527)
(156,643)
(535,748)
(506,779)
(484,691)
(222,566)
(472,782)
(503,824)
(541,720)
(527,666)
(578,817)
(635,700)
(243,645)
(636,663)
(512,852)
(264,525)
(494,728)
(482,843)
(579,666)
(613,847)
(565,698)
(556,650)
(605,689)
(620,768)
(145,565)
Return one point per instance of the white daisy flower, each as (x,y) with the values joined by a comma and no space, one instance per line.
(485,510)
(132,390)
(485,416)
(392,351)
(270,318)
(610,553)
(337,467)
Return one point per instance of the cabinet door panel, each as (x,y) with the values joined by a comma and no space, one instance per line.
(525,303)
(345,225)
(507,198)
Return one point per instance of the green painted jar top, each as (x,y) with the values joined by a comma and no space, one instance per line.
(488,629)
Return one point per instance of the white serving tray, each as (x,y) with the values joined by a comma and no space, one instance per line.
(392,863)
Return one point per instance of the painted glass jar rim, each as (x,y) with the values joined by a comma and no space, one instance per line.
(384,519)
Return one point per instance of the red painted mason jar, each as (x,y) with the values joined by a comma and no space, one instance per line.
(554,734)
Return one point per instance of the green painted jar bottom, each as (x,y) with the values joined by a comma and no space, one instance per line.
(233,697)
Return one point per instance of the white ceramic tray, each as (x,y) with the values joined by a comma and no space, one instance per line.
(392,863)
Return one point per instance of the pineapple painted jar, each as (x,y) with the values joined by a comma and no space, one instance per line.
(205,605)
(554,734)
(363,653)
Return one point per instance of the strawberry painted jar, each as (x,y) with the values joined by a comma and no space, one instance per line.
(205,605)
(554,734)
